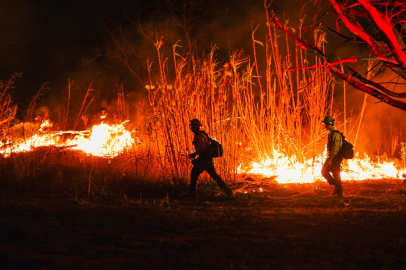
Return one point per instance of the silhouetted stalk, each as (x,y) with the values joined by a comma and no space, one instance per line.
(255,60)
(165,112)
(345,103)
(252,122)
(121,109)
(370,65)
(33,103)
(83,109)
(65,120)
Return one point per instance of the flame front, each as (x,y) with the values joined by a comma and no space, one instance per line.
(102,140)
(110,140)
(287,171)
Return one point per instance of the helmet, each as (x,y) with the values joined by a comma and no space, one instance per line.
(195,123)
(328,120)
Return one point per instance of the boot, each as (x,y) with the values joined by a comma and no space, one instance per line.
(224,187)
(339,189)
(229,192)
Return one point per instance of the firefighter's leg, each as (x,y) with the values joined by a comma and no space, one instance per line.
(212,171)
(337,176)
(325,171)
(337,184)
(194,175)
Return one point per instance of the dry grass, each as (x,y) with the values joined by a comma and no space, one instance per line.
(254,115)
(7,108)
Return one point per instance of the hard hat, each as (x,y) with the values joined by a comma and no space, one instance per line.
(328,120)
(195,123)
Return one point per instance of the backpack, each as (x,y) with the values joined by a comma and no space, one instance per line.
(347,149)
(215,148)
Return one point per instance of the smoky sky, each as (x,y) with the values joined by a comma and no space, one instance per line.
(45,40)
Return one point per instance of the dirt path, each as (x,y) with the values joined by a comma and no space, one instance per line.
(268,230)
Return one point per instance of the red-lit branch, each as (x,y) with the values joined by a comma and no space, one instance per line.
(357,30)
(383,24)
(350,60)
(376,85)
(370,91)
(389,46)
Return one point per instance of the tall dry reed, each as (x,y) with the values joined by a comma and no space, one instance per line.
(253,115)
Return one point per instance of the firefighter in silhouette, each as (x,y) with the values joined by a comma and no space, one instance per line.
(204,161)
(334,159)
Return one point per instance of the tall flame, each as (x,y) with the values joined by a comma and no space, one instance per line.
(102,140)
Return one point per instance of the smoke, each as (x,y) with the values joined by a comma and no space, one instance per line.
(235,21)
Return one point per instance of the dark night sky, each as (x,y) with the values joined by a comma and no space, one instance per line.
(45,39)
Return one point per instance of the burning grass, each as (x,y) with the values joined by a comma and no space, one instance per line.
(268,119)
(270,125)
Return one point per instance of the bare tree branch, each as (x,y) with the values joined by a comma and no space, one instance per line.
(370,91)
(386,47)
(383,23)
(376,85)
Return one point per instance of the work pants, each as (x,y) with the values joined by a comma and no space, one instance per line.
(208,166)
(335,178)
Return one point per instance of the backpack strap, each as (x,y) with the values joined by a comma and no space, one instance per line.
(207,135)
(342,135)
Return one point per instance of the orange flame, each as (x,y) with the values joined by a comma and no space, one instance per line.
(102,140)
(288,171)
(110,140)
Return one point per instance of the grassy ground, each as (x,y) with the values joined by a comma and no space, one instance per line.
(283,227)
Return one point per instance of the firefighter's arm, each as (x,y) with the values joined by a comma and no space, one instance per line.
(336,148)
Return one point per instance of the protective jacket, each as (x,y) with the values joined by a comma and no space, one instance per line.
(202,144)
(334,144)
(333,161)
(203,163)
